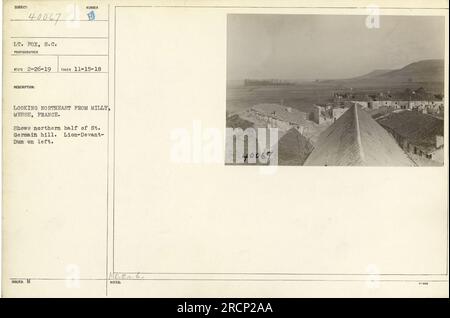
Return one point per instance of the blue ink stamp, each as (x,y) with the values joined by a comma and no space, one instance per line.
(91,15)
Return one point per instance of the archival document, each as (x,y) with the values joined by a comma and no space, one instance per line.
(225,148)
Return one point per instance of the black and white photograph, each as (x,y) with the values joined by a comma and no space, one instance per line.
(335,90)
(225,155)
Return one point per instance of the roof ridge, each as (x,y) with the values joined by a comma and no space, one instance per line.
(358,134)
(356,139)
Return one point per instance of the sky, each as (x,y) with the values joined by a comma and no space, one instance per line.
(327,47)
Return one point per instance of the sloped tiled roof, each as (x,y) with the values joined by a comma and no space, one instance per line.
(293,148)
(419,129)
(356,139)
(281,112)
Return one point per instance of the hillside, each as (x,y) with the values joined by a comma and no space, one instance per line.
(425,71)
(422,71)
(372,74)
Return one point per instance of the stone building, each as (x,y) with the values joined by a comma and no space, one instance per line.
(327,113)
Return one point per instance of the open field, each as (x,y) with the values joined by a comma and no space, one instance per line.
(299,96)
(304,95)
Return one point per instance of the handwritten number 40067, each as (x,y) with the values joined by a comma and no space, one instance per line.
(45,17)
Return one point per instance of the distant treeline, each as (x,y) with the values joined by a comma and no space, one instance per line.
(254,82)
